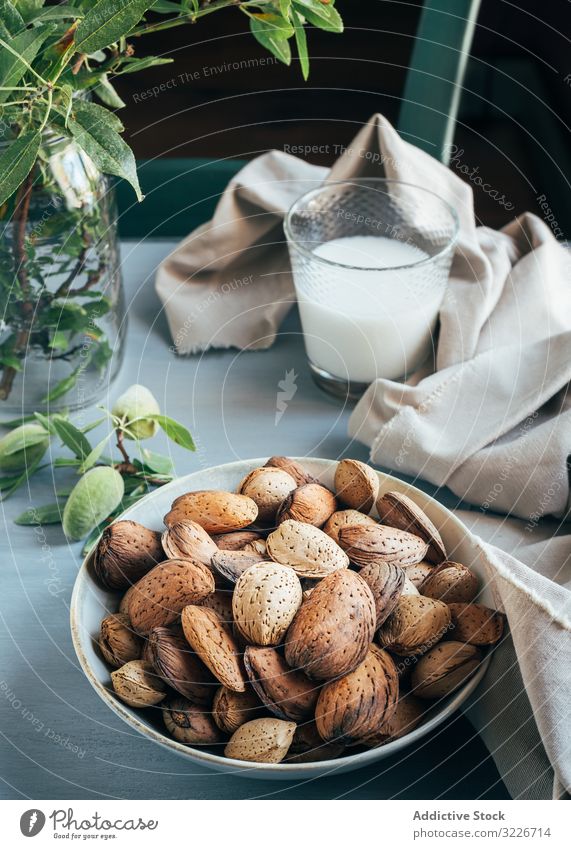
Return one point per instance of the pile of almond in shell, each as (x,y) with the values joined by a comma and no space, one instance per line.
(282,622)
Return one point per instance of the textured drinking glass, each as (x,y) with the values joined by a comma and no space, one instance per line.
(370,260)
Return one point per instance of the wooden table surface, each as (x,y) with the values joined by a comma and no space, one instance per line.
(57,738)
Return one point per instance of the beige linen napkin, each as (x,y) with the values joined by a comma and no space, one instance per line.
(492,419)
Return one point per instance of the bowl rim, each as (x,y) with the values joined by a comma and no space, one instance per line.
(357,760)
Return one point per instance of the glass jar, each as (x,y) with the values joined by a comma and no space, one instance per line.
(62,306)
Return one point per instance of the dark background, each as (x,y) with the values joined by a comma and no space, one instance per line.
(514,113)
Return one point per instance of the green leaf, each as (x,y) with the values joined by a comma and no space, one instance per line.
(8,481)
(24,440)
(132,65)
(27,45)
(66,462)
(64,385)
(57,13)
(7,358)
(93,537)
(16,163)
(106,92)
(59,340)
(10,18)
(12,423)
(321,15)
(45,421)
(94,454)
(301,42)
(93,425)
(107,21)
(49,514)
(157,462)
(272,38)
(174,430)
(95,129)
(27,473)
(71,436)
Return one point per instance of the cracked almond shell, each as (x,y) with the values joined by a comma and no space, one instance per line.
(311,503)
(366,543)
(214,644)
(287,693)
(333,628)
(386,581)
(265,740)
(217,511)
(310,552)
(190,724)
(159,597)
(476,624)
(266,598)
(352,708)
(399,511)
(415,625)
(450,582)
(231,710)
(268,487)
(444,668)
(356,485)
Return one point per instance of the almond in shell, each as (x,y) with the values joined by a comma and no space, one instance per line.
(367,543)
(231,710)
(220,602)
(451,582)
(136,684)
(190,724)
(311,503)
(265,600)
(235,540)
(293,468)
(418,572)
(216,511)
(386,582)
(188,539)
(178,666)
(407,716)
(214,645)
(354,707)
(118,641)
(230,564)
(265,740)
(356,485)
(399,511)
(341,518)
(444,668)
(476,624)
(268,487)
(310,552)
(308,747)
(126,552)
(287,693)
(333,628)
(415,625)
(159,597)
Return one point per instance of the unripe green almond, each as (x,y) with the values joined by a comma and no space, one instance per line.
(91,501)
(23,446)
(137,401)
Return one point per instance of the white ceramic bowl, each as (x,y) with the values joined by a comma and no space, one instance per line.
(91,603)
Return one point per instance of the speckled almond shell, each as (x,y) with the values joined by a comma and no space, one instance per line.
(399,511)
(415,625)
(310,552)
(333,628)
(189,539)
(443,669)
(215,510)
(264,740)
(287,693)
(159,597)
(190,724)
(476,624)
(418,572)
(266,598)
(352,708)
(342,518)
(308,747)
(214,645)
(450,582)
(356,485)
(230,564)
(235,540)
(366,543)
(293,468)
(407,716)
(311,503)
(268,487)
(386,581)
(126,552)
(178,666)
(220,602)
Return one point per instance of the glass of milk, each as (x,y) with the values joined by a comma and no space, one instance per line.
(370,260)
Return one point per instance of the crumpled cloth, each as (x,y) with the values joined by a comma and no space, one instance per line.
(491,419)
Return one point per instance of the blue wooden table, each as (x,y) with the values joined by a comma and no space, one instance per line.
(58,740)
